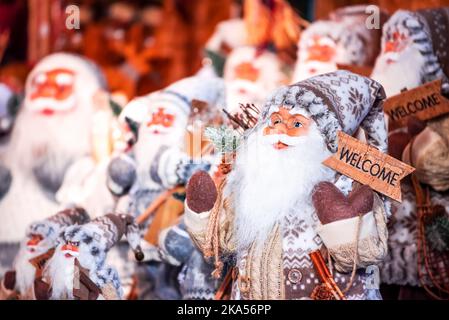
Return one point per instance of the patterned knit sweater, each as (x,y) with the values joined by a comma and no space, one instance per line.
(281,268)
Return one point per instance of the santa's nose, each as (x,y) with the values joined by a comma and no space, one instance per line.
(69,247)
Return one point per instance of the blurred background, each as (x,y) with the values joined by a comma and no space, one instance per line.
(141,45)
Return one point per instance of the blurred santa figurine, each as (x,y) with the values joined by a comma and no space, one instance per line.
(414,50)
(343,39)
(35,250)
(52,130)
(280,205)
(78,270)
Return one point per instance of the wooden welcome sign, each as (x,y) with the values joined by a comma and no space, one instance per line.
(424,102)
(367,165)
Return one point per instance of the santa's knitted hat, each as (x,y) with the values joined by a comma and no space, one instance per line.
(114,226)
(339,100)
(429,32)
(51,227)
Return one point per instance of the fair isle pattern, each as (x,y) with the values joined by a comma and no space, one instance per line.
(111,233)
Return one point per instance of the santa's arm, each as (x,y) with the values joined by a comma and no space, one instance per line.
(357,239)
(201,195)
(121,175)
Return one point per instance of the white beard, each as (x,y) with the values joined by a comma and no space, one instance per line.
(146,148)
(268,183)
(50,142)
(57,139)
(25,271)
(60,270)
(404,73)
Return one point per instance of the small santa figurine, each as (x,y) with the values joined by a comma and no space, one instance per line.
(343,39)
(250,74)
(414,50)
(52,130)
(35,250)
(159,161)
(78,267)
(280,206)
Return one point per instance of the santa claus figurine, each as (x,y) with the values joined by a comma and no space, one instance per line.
(35,250)
(414,50)
(280,210)
(250,74)
(52,130)
(78,267)
(159,160)
(343,39)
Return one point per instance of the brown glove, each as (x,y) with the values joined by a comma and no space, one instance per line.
(332,205)
(41,289)
(201,192)
(9,280)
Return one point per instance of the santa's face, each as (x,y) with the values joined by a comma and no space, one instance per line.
(164,120)
(52,92)
(320,48)
(400,64)
(284,128)
(318,56)
(33,246)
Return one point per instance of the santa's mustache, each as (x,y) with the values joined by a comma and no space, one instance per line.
(159,129)
(40,104)
(285,139)
(391,56)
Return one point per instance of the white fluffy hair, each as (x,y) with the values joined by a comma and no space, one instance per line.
(50,142)
(404,72)
(267,183)
(270,77)
(60,271)
(25,271)
(148,145)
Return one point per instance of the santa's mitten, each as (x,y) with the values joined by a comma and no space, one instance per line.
(332,205)
(351,241)
(121,175)
(41,289)
(186,169)
(9,280)
(201,192)
(5,181)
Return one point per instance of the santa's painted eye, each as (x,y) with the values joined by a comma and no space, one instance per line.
(298,124)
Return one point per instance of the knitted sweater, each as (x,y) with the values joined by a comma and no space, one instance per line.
(281,267)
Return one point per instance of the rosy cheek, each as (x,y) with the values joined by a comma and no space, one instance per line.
(267,131)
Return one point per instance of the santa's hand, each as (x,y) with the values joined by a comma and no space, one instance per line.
(5,180)
(121,175)
(41,289)
(201,192)
(332,205)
